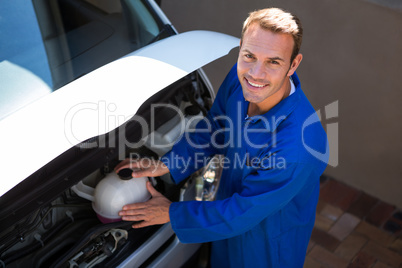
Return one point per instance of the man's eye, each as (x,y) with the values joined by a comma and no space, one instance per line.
(249,56)
(274,62)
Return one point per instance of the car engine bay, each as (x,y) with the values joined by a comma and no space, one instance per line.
(44,223)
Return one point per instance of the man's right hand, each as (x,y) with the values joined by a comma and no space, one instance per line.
(143,167)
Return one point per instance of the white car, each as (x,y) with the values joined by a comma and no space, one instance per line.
(83,85)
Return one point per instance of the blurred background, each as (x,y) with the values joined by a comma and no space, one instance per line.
(350,72)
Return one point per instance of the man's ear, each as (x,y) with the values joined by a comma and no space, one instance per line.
(296,62)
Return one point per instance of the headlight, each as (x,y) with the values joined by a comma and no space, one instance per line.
(207,182)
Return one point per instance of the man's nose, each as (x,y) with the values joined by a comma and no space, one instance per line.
(257,71)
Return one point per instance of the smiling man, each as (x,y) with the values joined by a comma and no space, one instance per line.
(266,61)
(264,212)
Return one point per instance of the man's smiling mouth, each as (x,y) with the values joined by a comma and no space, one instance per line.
(255,85)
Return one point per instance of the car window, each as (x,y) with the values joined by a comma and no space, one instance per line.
(45,44)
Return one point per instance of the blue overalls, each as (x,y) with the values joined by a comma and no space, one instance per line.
(265,207)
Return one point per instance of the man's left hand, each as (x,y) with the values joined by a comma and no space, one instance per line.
(154,211)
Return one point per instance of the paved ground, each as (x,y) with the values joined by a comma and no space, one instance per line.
(354,229)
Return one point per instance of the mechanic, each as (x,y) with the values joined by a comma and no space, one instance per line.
(264,212)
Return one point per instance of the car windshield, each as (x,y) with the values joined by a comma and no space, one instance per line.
(45,44)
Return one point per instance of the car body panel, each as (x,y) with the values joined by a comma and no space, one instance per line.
(100,101)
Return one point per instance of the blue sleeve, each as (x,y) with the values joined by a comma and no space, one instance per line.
(190,151)
(264,193)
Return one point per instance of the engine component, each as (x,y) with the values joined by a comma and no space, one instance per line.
(99,248)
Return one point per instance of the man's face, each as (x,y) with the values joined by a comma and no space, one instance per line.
(263,66)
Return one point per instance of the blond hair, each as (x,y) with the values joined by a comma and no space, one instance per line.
(277,21)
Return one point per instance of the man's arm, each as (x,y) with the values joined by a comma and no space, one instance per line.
(156,210)
(198,222)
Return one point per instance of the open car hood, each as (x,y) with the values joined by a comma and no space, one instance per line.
(100,101)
